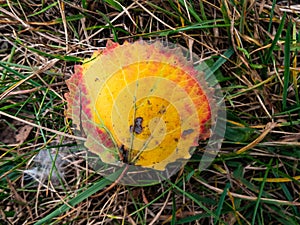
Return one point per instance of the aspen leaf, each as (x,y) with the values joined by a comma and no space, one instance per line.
(140,103)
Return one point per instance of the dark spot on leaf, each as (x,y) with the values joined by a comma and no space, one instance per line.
(187,132)
(162,110)
(137,127)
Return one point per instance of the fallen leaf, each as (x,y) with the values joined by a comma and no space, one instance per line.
(142,104)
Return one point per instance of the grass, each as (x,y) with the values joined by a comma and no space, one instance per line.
(253,49)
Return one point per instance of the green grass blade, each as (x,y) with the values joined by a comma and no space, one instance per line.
(21,76)
(211,70)
(174,209)
(276,38)
(271,15)
(221,202)
(70,18)
(191,10)
(44,9)
(12,52)
(66,58)
(261,192)
(114,4)
(202,10)
(287,62)
(202,26)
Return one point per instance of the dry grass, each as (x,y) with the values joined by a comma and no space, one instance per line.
(254,179)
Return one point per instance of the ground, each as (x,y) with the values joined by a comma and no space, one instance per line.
(252,46)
